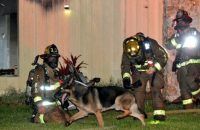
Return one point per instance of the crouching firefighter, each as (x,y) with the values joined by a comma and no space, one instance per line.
(43,83)
(143,60)
(186,41)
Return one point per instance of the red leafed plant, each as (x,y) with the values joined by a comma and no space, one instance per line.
(64,68)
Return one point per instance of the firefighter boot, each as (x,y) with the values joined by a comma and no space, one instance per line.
(159,117)
(188,106)
(188,103)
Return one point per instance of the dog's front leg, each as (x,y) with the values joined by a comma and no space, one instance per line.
(99,118)
(78,115)
(125,114)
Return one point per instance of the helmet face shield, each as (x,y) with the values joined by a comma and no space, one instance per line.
(52,61)
(132,47)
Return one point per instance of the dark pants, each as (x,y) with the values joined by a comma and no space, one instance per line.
(156,82)
(187,77)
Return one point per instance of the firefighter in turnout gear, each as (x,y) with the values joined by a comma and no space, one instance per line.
(143,60)
(186,41)
(43,82)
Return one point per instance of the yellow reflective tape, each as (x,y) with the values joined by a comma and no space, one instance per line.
(159,112)
(37,98)
(126,75)
(154,122)
(41,117)
(51,87)
(178,46)
(196,92)
(174,43)
(56,85)
(138,66)
(191,61)
(58,103)
(48,103)
(187,101)
(142,69)
(158,66)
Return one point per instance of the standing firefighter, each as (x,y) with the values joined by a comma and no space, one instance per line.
(186,41)
(43,83)
(143,60)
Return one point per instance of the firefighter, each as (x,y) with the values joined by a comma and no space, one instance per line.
(143,60)
(186,41)
(43,82)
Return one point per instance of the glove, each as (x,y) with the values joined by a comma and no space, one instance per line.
(137,84)
(127,83)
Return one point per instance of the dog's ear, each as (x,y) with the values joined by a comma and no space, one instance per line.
(96,79)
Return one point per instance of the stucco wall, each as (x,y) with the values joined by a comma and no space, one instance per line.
(95,29)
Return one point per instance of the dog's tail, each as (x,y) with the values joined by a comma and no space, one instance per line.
(143,112)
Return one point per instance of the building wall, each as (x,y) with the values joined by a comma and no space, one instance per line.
(95,29)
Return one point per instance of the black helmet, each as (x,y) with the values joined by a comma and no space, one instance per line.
(140,36)
(183,15)
(51,56)
(182,20)
(51,50)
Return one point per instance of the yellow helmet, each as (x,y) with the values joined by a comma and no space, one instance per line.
(131,46)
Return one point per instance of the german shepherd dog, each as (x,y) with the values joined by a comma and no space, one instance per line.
(91,99)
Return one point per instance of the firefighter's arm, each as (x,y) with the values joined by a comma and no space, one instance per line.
(29,83)
(160,56)
(125,71)
(172,42)
(38,81)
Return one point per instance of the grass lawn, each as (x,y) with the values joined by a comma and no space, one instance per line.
(15,117)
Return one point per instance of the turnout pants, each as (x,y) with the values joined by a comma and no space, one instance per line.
(188,78)
(156,84)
